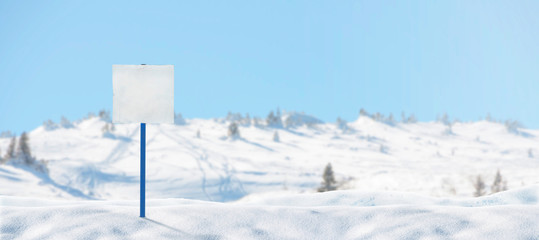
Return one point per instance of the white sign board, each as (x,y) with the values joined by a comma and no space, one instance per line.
(143,93)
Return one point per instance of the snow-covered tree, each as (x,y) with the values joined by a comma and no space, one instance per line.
(178,119)
(23,155)
(274,120)
(390,120)
(328,183)
(233,130)
(489,118)
(444,119)
(10,153)
(448,130)
(1,158)
(296,119)
(499,183)
(411,119)
(378,117)
(363,113)
(513,126)
(276,136)
(49,125)
(108,129)
(403,117)
(530,153)
(198,133)
(479,187)
(342,124)
(65,123)
(257,122)
(104,115)
(23,151)
(6,134)
(246,121)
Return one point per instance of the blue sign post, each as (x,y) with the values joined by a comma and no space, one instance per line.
(143,94)
(142,170)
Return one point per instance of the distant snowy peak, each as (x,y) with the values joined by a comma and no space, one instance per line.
(296,119)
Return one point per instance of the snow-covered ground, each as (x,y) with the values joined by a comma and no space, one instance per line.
(332,215)
(404,181)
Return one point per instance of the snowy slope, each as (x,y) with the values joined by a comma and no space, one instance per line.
(333,215)
(421,158)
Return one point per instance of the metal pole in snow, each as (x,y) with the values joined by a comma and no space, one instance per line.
(142,169)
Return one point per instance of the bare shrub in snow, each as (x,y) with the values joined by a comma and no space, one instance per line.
(328,183)
(479,187)
(499,184)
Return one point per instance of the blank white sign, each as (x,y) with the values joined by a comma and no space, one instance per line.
(143,93)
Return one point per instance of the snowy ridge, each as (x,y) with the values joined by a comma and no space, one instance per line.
(420,157)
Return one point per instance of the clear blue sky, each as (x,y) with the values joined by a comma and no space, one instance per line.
(327,58)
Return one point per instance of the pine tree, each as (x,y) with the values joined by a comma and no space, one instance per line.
(342,124)
(364,113)
(23,150)
(329,180)
(178,119)
(65,123)
(49,125)
(391,120)
(10,154)
(403,117)
(274,120)
(104,115)
(233,130)
(276,136)
(411,119)
(479,186)
(499,184)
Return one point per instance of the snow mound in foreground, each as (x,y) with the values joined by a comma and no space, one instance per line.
(334,215)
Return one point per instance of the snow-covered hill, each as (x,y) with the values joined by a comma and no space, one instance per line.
(426,158)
